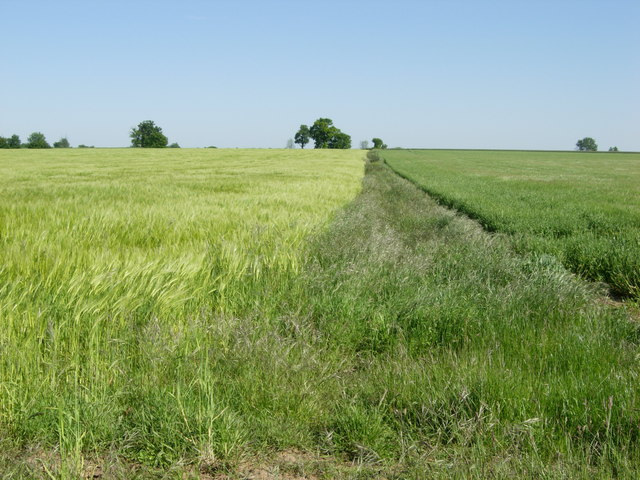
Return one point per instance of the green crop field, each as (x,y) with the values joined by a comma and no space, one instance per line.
(125,274)
(584,209)
(216,314)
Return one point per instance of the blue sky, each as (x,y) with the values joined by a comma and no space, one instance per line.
(433,74)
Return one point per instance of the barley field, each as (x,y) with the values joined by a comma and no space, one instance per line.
(125,274)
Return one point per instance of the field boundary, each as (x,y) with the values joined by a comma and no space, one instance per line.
(443,201)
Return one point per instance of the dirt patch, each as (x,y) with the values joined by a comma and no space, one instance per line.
(285,465)
(631,308)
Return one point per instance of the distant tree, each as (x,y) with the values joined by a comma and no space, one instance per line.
(37,140)
(62,143)
(613,149)
(148,135)
(290,143)
(174,145)
(82,145)
(326,135)
(378,143)
(14,141)
(364,145)
(302,136)
(212,146)
(321,131)
(340,140)
(587,144)
(4,142)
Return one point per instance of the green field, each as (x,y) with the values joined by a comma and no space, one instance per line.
(122,270)
(113,232)
(584,209)
(275,314)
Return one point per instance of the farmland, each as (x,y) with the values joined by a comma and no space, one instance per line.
(229,313)
(582,209)
(125,274)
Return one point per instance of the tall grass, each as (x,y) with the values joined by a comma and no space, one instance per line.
(399,341)
(582,208)
(467,359)
(128,280)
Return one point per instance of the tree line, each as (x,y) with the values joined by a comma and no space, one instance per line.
(323,133)
(588,144)
(326,135)
(35,140)
(147,135)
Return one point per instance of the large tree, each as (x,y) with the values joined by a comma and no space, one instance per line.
(302,135)
(321,132)
(340,140)
(326,135)
(37,140)
(587,144)
(148,135)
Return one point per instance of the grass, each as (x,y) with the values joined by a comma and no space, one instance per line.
(129,277)
(469,360)
(584,209)
(398,340)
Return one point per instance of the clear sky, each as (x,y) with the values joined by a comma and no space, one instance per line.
(435,74)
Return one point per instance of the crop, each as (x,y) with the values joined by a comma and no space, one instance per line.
(129,277)
(584,209)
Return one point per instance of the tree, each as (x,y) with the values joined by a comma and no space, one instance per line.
(587,144)
(340,140)
(364,144)
(325,135)
(4,143)
(148,135)
(302,136)
(378,143)
(62,143)
(613,149)
(14,141)
(174,145)
(290,143)
(321,131)
(37,140)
